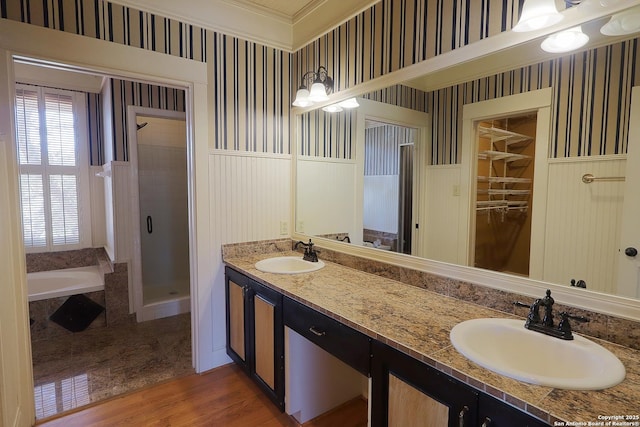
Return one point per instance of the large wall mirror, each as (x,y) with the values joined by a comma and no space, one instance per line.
(523,170)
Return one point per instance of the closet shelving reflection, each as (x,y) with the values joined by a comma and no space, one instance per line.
(502,189)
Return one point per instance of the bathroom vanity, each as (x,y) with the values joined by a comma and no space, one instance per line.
(394,338)
(255,335)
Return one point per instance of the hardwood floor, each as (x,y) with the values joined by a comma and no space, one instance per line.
(221,397)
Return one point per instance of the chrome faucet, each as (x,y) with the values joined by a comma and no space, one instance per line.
(546,325)
(309,253)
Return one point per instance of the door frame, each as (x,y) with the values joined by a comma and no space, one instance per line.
(513,105)
(136,297)
(398,116)
(629,267)
(402,196)
(84,53)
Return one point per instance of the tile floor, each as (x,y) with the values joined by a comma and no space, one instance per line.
(95,364)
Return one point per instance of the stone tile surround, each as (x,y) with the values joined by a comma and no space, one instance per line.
(47,261)
(610,328)
(43,329)
(115,297)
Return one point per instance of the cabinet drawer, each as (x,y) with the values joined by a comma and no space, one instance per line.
(345,343)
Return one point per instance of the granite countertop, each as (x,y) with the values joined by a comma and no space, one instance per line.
(418,322)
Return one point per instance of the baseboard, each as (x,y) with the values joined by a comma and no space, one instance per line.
(164,309)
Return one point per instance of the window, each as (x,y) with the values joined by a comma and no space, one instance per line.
(51,138)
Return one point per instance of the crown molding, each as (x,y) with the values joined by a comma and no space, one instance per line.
(258,24)
(218,15)
(266,11)
(330,15)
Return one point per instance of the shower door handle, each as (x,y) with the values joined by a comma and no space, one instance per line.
(149,225)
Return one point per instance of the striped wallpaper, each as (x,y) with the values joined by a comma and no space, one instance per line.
(382,148)
(402,96)
(393,34)
(111,22)
(251,86)
(125,93)
(592,89)
(252,96)
(590,111)
(328,135)
(95,126)
(591,99)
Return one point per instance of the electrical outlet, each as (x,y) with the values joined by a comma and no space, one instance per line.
(300,227)
(284,228)
(456,190)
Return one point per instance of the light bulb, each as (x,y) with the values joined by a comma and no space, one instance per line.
(333,108)
(623,23)
(537,14)
(318,93)
(565,41)
(302,98)
(349,103)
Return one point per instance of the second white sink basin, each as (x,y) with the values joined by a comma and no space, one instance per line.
(506,347)
(288,265)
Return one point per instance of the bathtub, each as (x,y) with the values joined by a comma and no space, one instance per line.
(59,283)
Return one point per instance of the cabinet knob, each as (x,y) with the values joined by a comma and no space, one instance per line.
(487,422)
(462,416)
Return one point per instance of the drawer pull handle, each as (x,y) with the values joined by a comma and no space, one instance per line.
(316,332)
(461,416)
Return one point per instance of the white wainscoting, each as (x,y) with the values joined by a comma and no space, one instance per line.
(583,222)
(381,193)
(117,210)
(250,197)
(440,223)
(320,212)
(98,221)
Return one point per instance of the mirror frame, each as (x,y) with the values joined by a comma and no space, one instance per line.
(479,59)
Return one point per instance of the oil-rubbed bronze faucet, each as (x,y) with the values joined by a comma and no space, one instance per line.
(546,325)
(309,253)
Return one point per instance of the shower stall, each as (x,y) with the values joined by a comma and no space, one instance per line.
(161,250)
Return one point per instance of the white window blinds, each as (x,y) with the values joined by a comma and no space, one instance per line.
(49,169)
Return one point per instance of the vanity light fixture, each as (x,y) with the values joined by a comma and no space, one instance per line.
(349,103)
(333,108)
(626,22)
(537,14)
(346,104)
(320,86)
(565,41)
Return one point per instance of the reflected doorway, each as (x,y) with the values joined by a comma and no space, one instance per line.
(504,193)
(388,186)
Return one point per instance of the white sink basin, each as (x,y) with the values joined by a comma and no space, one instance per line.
(288,265)
(506,347)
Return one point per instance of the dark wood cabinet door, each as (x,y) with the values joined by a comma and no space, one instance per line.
(255,332)
(267,341)
(406,392)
